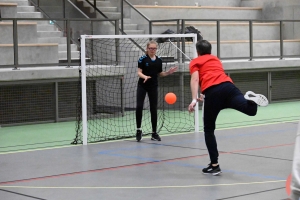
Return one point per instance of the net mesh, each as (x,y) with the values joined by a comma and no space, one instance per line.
(111,82)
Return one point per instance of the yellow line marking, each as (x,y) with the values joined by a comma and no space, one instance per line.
(143,187)
(171,134)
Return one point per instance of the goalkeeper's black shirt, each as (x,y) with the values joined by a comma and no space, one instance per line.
(150,68)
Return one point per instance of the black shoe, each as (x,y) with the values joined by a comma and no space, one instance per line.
(155,136)
(139,135)
(212,170)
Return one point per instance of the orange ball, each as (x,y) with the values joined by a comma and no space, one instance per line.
(170,98)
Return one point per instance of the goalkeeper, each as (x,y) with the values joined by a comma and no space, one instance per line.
(149,68)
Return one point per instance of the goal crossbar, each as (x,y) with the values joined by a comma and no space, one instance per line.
(192,35)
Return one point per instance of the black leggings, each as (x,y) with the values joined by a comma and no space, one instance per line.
(217,98)
(140,97)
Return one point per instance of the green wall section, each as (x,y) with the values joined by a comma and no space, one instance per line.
(18,138)
(275,112)
(52,135)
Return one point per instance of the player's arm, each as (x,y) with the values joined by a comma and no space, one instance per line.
(170,71)
(141,75)
(194,84)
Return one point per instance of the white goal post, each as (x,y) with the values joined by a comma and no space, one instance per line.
(176,39)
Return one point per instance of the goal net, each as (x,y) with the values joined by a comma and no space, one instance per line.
(107,101)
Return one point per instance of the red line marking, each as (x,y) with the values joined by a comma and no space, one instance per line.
(259,148)
(134,165)
(97,170)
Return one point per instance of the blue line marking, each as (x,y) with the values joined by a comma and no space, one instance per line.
(181,164)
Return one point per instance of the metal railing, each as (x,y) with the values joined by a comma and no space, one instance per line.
(136,10)
(250,22)
(65,25)
(181,24)
(90,24)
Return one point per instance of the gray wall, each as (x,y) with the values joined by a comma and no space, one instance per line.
(279,9)
(282,10)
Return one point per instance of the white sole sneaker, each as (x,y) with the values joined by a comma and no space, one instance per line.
(259,99)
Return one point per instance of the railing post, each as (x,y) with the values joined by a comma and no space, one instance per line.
(15,41)
(150,27)
(68,42)
(64,8)
(92,41)
(178,41)
(117,27)
(117,41)
(122,17)
(218,40)
(281,40)
(251,39)
(178,26)
(182,40)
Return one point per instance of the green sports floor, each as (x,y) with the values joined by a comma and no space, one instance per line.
(57,135)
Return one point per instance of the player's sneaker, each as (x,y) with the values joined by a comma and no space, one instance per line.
(212,170)
(259,99)
(155,136)
(139,135)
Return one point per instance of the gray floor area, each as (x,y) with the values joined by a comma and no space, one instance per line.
(255,161)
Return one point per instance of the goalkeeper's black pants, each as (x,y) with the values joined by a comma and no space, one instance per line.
(140,98)
(217,98)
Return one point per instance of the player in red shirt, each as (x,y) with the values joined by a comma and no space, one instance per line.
(218,92)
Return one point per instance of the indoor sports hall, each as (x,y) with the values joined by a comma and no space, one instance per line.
(70,101)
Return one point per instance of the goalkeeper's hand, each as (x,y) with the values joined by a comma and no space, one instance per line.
(146,78)
(172,70)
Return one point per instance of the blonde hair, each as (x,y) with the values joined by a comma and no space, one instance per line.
(148,44)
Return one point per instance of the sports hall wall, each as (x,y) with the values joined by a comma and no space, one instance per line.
(54,100)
